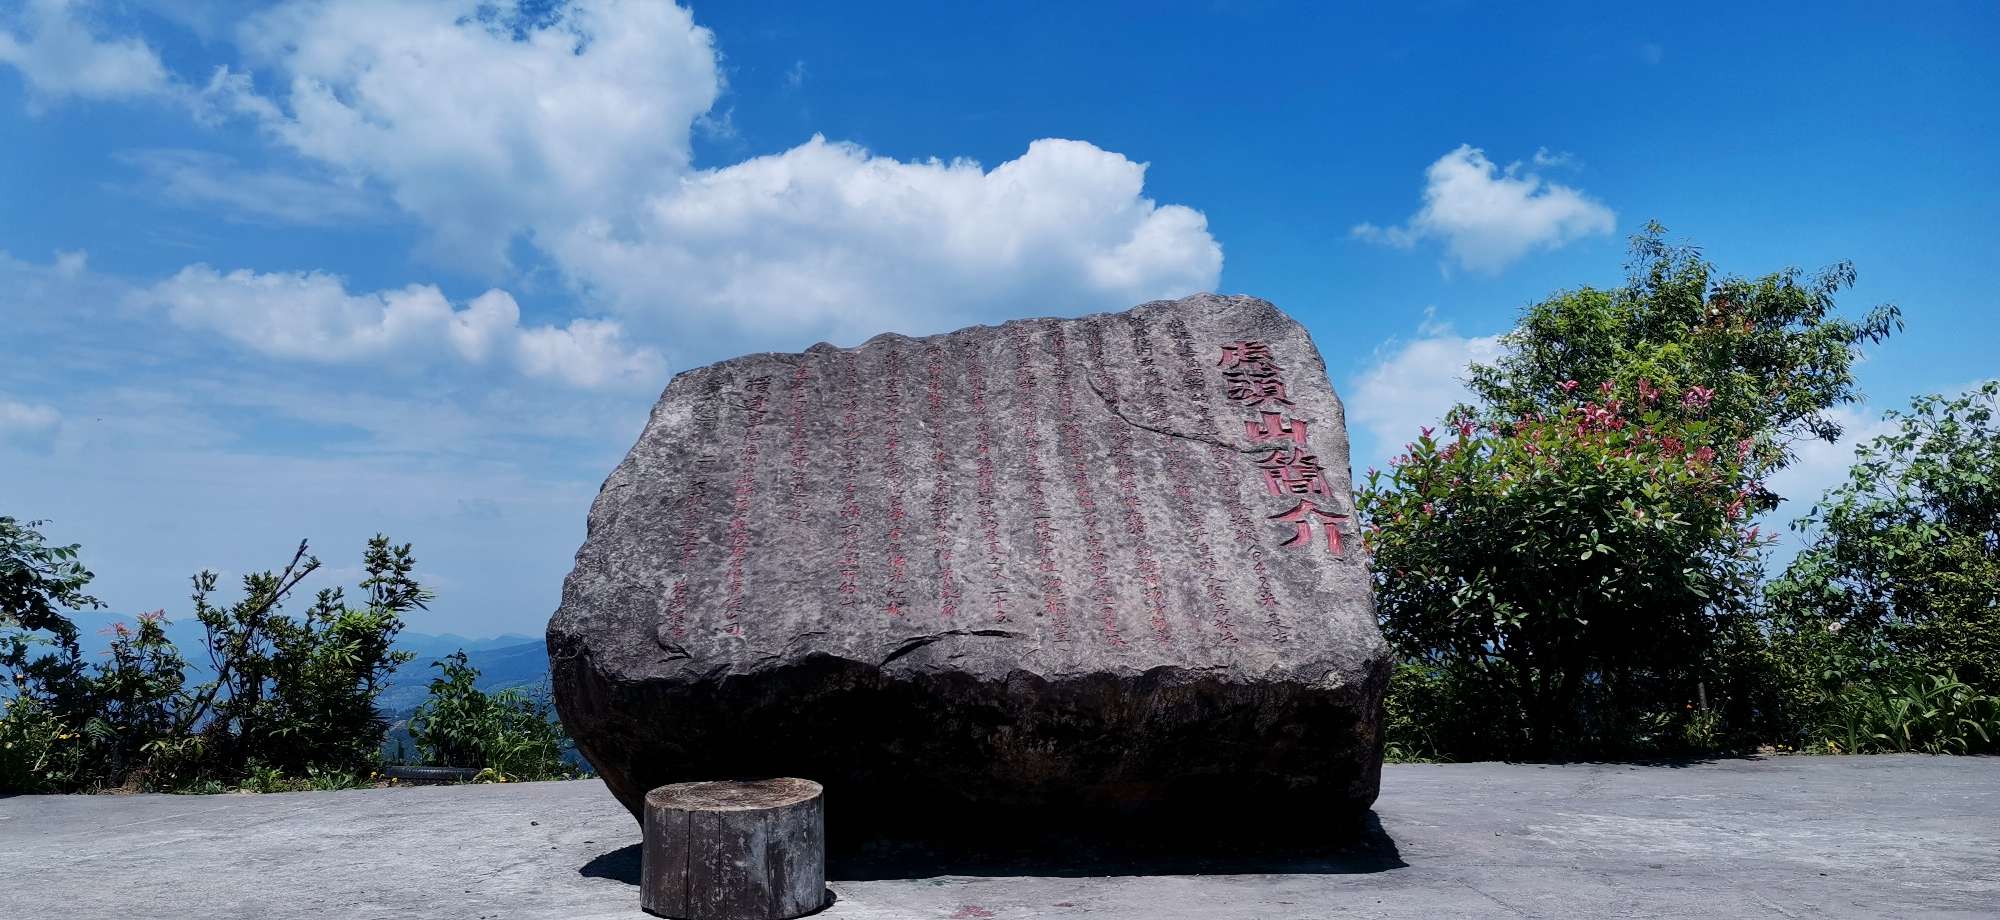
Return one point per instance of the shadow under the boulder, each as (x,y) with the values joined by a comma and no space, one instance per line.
(1155,852)
(1146,850)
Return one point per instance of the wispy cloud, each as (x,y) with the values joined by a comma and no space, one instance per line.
(219,184)
(1489,217)
(61,54)
(312,316)
(23,421)
(1412,383)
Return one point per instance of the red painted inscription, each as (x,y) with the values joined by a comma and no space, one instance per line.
(850,485)
(892,460)
(1029,416)
(1275,427)
(989,517)
(941,493)
(1303,516)
(1292,471)
(691,508)
(1076,463)
(1128,491)
(1180,467)
(746,486)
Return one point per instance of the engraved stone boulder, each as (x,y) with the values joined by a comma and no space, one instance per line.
(1054,570)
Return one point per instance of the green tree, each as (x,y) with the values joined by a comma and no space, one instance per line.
(510,736)
(133,699)
(291,695)
(1556,582)
(38,582)
(1573,571)
(1770,353)
(43,746)
(300,693)
(1902,577)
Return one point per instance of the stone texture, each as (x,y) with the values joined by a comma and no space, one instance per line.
(1029,570)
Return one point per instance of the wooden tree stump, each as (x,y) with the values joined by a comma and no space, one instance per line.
(734,850)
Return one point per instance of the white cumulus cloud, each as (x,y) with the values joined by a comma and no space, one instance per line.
(27,421)
(1818,465)
(483,120)
(1414,383)
(1488,217)
(58,49)
(312,316)
(566,129)
(571,130)
(830,237)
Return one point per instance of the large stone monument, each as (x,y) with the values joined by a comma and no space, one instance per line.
(1105,565)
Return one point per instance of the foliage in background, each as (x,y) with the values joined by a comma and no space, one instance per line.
(1904,566)
(43,739)
(1893,610)
(510,736)
(300,693)
(1569,570)
(1925,715)
(1769,353)
(292,697)
(1564,577)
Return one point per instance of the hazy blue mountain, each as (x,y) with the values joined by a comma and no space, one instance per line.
(520,664)
(429,646)
(503,661)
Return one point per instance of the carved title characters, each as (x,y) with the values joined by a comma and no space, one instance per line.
(1252,377)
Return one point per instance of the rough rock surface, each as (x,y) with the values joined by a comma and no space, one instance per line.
(1105,564)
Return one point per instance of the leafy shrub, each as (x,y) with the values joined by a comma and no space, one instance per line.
(1568,570)
(1578,567)
(264,778)
(1771,352)
(300,693)
(510,736)
(42,742)
(1931,715)
(295,696)
(1903,575)
(39,751)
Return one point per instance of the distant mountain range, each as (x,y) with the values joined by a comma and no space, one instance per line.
(504,661)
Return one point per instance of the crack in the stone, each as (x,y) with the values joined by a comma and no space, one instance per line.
(916,642)
(1115,409)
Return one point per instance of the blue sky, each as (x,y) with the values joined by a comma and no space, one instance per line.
(272,271)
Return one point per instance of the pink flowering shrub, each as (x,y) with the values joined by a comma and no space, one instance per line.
(1573,567)
(1562,559)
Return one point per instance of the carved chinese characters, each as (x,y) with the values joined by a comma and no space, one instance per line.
(1069,563)
(1254,379)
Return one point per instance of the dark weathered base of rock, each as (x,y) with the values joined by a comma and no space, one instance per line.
(939,754)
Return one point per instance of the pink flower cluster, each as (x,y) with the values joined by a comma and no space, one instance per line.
(1604,417)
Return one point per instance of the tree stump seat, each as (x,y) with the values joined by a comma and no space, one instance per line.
(734,850)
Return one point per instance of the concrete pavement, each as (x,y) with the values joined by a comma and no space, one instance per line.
(1785,837)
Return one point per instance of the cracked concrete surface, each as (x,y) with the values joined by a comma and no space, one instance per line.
(1787,837)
